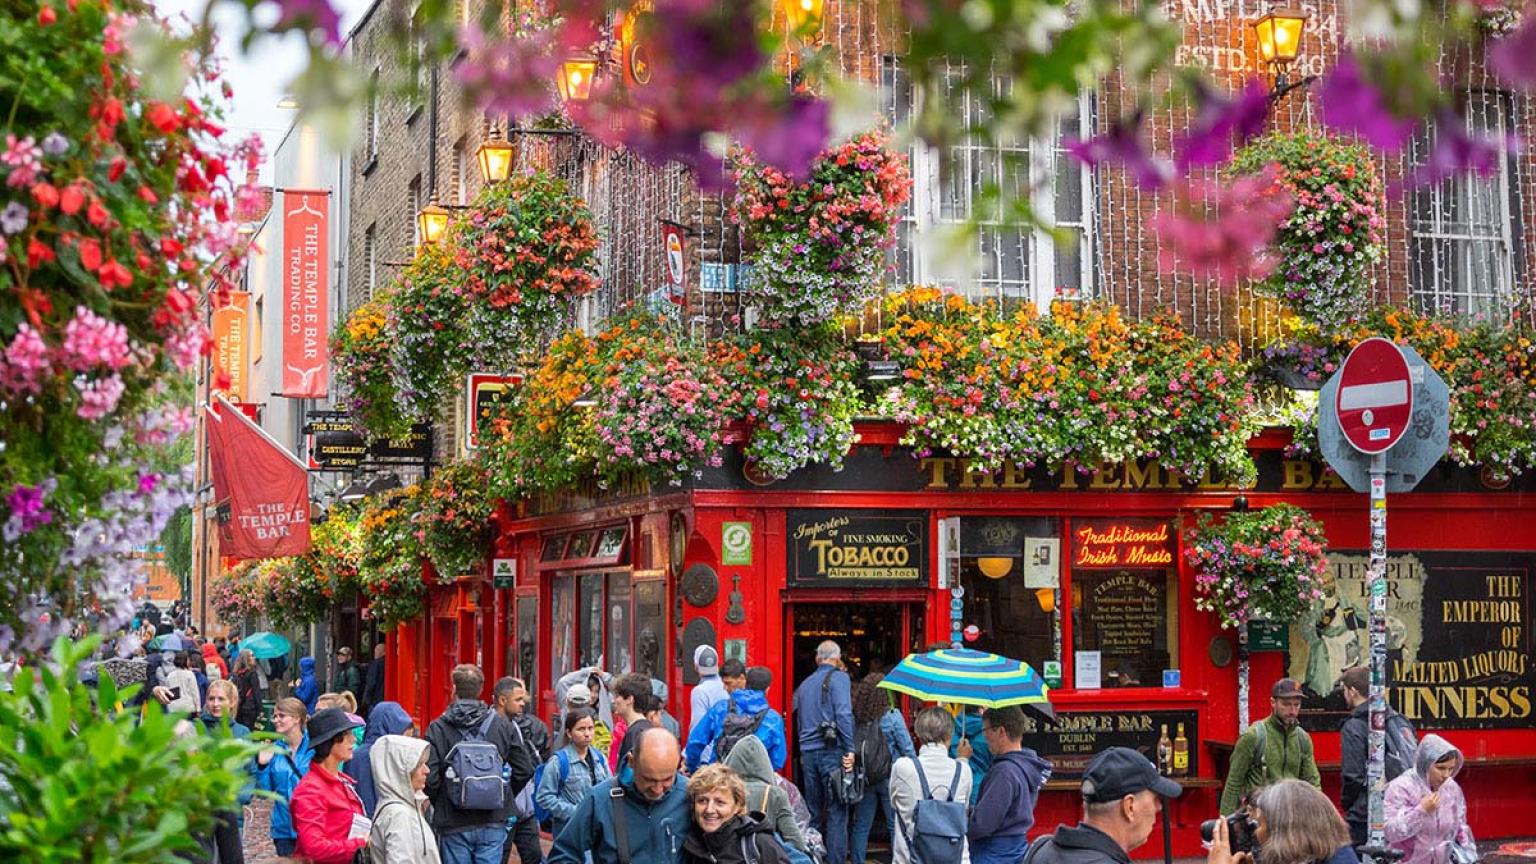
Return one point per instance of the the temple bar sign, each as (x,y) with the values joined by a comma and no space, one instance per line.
(857,547)
(1122,543)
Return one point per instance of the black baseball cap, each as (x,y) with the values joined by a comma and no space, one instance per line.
(1286,688)
(1121,771)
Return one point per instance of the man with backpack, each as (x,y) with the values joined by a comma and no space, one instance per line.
(1005,809)
(475,767)
(1355,748)
(511,701)
(929,795)
(1122,797)
(1271,750)
(744,712)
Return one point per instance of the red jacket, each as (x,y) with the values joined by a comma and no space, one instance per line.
(323,806)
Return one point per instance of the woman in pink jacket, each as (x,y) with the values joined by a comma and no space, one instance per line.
(1425,809)
(325,806)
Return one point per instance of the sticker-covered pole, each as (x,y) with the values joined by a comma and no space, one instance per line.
(1375,772)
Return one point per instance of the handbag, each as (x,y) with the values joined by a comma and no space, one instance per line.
(1463,853)
(847,787)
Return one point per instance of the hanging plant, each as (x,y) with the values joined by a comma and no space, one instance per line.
(1334,235)
(527,247)
(541,440)
(391,563)
(455,522)
(238,594)
(362,350)
(660,404)
(1265,564)
(796,388)
(819,246)
(1078,387)
(429,329)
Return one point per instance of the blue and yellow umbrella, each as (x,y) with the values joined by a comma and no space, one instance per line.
(967,677)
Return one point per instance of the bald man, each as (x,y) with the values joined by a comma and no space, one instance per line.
(649,795)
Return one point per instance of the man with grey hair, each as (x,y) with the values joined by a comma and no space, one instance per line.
(1122,795)
(823,706)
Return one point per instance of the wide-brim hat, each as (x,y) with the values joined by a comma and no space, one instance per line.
(328,723)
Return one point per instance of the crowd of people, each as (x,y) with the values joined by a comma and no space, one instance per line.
(617,781)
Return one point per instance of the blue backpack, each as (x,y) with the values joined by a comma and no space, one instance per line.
(539,812)
(478,778)
(938,825)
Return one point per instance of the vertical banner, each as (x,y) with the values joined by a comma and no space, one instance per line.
(305,291)
(674,240)
(231,351)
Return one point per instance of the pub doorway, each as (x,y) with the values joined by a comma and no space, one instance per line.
(874,635)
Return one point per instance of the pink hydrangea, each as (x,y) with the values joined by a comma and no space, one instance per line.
(25,362)
(91,341)
(99,397)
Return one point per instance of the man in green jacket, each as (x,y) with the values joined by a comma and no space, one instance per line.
(1271,750)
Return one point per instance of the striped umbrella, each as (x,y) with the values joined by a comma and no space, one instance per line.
(968,677)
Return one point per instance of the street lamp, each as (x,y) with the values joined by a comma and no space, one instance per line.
(495,155)
(431,223)
(576,74)
(804,16)
(1279,33)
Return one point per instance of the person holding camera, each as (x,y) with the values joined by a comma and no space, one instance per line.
(1122,797)
(823,708)
(1290,822)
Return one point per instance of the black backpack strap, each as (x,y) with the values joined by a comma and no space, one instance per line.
(620,822)
(485,725)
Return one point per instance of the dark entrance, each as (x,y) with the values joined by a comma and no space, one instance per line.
(874,636)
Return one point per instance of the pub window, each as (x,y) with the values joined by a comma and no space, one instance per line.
(1463,229)
(590,623)
(1124,587)
(553,546)
(371,118)
(371,256)
(562,627)
(527,643)
(1010,570)
(650,621)
(618,657)
(581,546)
(414,202)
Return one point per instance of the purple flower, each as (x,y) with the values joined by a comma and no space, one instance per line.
(1352,104)
(27,510)
(512,75)
(55,144)
(1222,124)
(1513,58)
(310,15)
(1122,144)
(1457,150)
(790,138)
(13,220)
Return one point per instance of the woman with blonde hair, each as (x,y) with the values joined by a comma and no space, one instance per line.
(722,831)
(282,766)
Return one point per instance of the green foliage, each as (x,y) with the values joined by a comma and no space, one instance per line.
(86,781)
(177,541)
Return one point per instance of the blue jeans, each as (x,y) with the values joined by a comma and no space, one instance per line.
(819,769)
(481,845)
(875,795)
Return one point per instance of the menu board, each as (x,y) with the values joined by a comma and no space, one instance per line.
(1458,639)
(1124,615)
(1082,735)
(857,547)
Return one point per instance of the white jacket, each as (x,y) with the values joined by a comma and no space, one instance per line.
(906,791)
(400,835)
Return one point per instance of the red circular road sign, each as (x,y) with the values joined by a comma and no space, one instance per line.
(1374,400)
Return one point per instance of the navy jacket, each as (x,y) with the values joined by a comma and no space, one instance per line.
(811,709)
(1006,805)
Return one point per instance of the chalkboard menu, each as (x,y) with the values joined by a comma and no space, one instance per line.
(1124,615)
(857,547)
(1082,735)
(1458,639)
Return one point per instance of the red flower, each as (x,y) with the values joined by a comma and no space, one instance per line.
(45,194)
(148,195)
(71,200)
(38,253)
(114,275)
(96,214)
(116,169)
(90,255)
(163,117)
(46,16)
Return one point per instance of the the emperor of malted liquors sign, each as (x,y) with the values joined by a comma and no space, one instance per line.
(857,547)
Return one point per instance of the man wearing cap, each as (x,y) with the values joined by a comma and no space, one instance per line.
(348,676)
(1122,795)
(748,689)
(1273,749)
(710,688)
(472,836)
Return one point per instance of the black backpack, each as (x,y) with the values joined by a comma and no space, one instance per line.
(734,727)
(869,744)
(1402,744)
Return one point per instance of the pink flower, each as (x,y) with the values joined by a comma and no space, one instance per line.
(99,398)
(25,362)
(91,340)
(185,346)
(24,158)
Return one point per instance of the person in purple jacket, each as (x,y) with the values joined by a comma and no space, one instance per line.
(1005,809)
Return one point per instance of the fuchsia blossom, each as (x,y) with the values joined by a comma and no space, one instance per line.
(27,510)
(99,397)
(1222,231)
(24,158)
(1125,145)
(510,75)
(26,361)
(1351,103)
(1222,124)
(91,340)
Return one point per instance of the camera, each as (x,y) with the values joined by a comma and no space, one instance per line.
(828,731)
(1241,832)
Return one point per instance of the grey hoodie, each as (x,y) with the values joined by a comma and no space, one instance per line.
(400,835)
(749,758)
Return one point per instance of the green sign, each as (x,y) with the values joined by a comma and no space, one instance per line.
(736,543)
(1268,636)
(504,573)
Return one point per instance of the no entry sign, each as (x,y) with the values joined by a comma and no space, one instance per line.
(1374,400)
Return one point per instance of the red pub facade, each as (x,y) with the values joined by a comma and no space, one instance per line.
(1082,576)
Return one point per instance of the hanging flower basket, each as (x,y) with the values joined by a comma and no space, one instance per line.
(1266,564)
(456,520)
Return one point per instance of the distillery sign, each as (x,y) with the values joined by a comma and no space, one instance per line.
(857,547)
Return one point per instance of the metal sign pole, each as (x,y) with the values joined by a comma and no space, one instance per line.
(1375,771)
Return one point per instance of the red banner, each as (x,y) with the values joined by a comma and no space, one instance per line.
(230,351)
(305,291)
(261,491)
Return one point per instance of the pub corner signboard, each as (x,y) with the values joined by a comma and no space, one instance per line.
(848,548)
